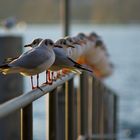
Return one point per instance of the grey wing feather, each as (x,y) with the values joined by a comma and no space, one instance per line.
(31,60)
(61,58)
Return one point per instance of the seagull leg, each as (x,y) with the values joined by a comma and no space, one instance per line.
(32,82)
(38,84)
(46,77)
(37,77)
(55,76)
(50,77)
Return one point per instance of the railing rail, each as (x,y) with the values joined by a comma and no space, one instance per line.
(83,112)
(86,111)
(26,99)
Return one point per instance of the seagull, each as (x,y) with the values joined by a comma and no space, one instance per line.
(85,40)
(97,56)
(78,49)
(66,45)
(9,22)
(32,62)
(34,44)
(66,59)
(62,61)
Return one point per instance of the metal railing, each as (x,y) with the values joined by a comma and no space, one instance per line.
(85,111)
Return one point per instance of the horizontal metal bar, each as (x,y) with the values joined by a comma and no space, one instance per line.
(25,99)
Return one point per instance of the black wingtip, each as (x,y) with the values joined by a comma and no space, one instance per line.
(4,66)
(79,66)
(82,68)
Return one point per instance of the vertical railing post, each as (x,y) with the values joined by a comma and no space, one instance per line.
(10,126)
(95,107)
(66,17)
(66,112)
(61,108)
(107,111)
(103,106)
(71,111)
(53,116)
(115,110)
(27,122)
(89,107)
(84,103)
(111,113)
(78,109)
(99,106)
(66,32)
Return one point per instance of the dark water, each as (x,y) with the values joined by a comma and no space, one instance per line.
(123,43)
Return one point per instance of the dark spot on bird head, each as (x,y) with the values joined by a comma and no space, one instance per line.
(99,43)
(93,34)
(37,41)
(49,42)
(82,36)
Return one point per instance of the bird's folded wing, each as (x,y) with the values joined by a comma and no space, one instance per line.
(31,60)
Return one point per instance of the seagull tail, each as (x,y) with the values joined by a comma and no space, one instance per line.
(4,68)
(82,68)
(79,66)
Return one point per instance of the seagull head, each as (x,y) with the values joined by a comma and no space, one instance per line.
(81,38)
(64,43)
(49,43)
(34,43)
(69,39)
(93,36)
(100,43)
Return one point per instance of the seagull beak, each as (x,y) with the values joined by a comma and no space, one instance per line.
(28,45)
(58,46)
(71,46)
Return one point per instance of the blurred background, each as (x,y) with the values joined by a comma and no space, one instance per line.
(116,21)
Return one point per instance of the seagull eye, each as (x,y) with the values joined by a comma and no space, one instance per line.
(64,42)
(37,41)
(51,43)
(34,42)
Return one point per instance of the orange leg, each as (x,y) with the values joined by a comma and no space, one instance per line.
(37,77)
(48,77)
(65,71)
(32,82)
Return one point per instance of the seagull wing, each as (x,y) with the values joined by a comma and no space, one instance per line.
(32,59)
(61,58)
